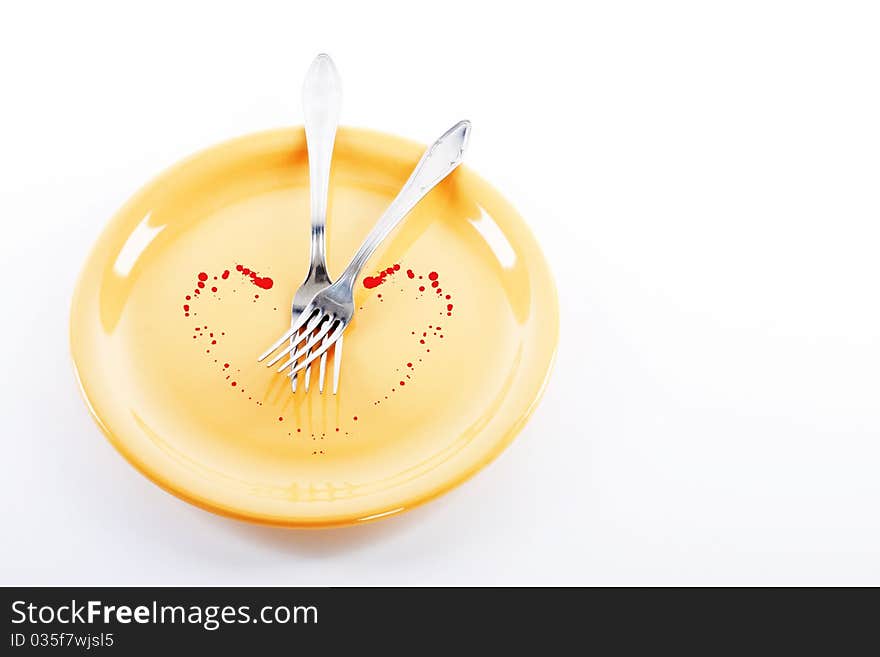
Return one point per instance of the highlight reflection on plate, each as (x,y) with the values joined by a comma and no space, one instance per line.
(447,355)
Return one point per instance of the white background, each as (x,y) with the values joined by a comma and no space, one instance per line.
(704,178)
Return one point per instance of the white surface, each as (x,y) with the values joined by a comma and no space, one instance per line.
(705,179)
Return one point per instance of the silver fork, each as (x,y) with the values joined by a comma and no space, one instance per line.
(329,313)
(322,97)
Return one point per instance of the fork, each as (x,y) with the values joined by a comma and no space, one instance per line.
(329,313)
(321,100)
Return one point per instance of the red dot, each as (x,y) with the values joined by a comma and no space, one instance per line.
(355,418)
(225,274)
(225,364)
(448,297)
(245,271)
(234,383)
(213,342)
(433,276)
(203,276)
(237,267)
(448,306)
(396,267)
(421,288)
(188,297)
(402,383)
(434,284)
(213,289)
(186,306)
(409,364)
(337,428)
(409,272)
(280,419)
(422,341)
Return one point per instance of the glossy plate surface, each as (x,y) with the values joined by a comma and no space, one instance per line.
(446,357)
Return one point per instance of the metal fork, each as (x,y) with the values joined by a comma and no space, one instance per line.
(322,97)
(329,313)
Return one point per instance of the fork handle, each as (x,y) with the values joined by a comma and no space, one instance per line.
(441,158)
(322,97)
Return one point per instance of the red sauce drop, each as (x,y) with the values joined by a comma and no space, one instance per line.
(433,276)
(200,285)
(225,274)
(375,281)
(421,288)
(234,383)
(409,272)
(203,276)
(280,419)
(213,289)
(186,307)
(355,418)
(263,282)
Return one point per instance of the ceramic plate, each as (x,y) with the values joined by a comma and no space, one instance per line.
(447,355)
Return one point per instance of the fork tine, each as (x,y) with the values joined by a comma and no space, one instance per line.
(323,348)
(289,333)
(327,325)
(337,361)
(322,369)
(303,336)
(307,378)
(294,378)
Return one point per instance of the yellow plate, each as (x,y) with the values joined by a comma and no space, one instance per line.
(193,278)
